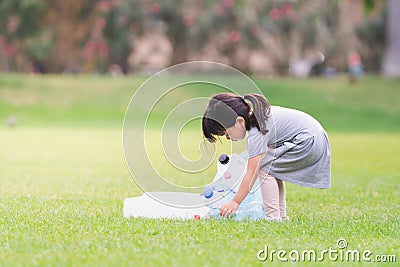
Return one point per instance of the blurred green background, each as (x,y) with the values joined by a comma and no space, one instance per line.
(370,105)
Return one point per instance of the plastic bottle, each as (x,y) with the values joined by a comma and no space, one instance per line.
(230,172)
(251,208)
(232,167)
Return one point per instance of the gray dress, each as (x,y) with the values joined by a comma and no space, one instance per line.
(296,148)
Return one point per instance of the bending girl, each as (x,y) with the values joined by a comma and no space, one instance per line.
(284,145)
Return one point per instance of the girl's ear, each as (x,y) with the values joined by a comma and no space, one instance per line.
(240,120)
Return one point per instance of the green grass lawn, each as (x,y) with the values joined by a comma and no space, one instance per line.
(63,180)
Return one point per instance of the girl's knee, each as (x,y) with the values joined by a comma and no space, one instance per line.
(263,176)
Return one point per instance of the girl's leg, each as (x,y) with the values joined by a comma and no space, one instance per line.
(282,199)
(270,195)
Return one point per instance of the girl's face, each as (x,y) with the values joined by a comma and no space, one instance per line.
(237,131)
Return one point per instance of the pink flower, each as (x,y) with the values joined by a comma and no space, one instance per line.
(188,21)
(105,5)
(89,49)
(275,14)
(233,36)
(13,24)
(227,3)
(287,9)
(155,8)
(103,49)
(90,44)
(9,50)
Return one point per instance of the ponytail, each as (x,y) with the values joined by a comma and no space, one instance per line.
(223,110)
(260,109)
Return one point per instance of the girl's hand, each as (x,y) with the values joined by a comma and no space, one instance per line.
(229,209)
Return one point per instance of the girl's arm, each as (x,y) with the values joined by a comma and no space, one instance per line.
(248,181)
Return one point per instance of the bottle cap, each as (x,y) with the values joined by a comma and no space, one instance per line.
(208,193)
(227,175)
(223,159)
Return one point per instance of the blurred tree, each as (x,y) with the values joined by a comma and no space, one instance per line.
(19,21)
(390,66)
(70,24)
(171,13)
(372,34)
(91,35)
(117,36)
(192,25)
(300,32)
(237,31)
(391,60)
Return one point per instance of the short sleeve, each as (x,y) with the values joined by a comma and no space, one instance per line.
(257,143)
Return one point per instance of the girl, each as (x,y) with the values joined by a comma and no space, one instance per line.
(283,145)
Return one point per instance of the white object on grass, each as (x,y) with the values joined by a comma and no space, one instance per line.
(230,171)
(148,207)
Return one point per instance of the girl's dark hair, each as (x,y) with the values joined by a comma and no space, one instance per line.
(224,108)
